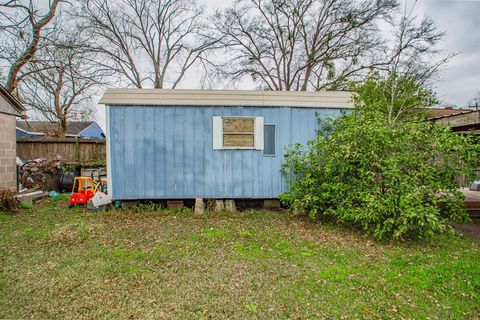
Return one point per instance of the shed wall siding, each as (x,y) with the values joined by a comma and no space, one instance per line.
(167,152)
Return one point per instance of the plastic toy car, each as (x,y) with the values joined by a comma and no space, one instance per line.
(85,190)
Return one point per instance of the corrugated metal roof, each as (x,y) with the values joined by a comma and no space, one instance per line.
(184,97)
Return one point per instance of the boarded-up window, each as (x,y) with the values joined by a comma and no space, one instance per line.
(239,132)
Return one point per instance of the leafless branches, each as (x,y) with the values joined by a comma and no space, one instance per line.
(61,84)
(145,41)
(412,51)
(475,101)
(309,44)
(280,44)
(24,22)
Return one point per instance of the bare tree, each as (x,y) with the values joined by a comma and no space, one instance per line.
(475,101)
(146,42)
(61,84)
(22,23)
(412,51)
(312,44)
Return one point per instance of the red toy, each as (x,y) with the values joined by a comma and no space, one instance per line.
(85,191)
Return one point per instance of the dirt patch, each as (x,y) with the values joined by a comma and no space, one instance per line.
(471,229)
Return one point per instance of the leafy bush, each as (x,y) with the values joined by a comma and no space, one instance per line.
(393,179)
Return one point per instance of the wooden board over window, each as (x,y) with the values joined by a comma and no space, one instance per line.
(238,125)
(239,132)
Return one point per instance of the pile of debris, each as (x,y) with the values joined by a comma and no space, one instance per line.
(87,184)
(39,174)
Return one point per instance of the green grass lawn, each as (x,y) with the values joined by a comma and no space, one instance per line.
(61,263)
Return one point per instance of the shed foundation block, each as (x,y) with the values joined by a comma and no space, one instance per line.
(230,205)
(128,204)
(219,205)
(271,204)
(199,206)
(174,204)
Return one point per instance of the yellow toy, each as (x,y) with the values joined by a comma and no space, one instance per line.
(85,191)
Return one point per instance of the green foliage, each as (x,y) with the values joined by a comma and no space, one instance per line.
(400,98)
(251,307)
(146,207)
(61,197)
(25,206)
(392,179)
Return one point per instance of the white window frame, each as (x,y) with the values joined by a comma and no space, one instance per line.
(218,133)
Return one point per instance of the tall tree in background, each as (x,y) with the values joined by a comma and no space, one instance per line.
(47,62)
(475,102)
(22,25)
(60,85)
(412,51)
(145,41)
(311,44)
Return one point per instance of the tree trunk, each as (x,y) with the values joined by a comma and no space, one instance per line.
(63,126)
(27,55)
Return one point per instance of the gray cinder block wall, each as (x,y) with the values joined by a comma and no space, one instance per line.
(8,166)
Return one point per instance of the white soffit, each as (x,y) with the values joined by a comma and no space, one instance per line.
(185,97)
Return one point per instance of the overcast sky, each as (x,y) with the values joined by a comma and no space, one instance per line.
(460,19)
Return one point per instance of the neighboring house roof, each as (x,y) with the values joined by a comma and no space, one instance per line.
(464,120)
(10,105)
(93,131)
(82,129)
(435,113)
(226,98)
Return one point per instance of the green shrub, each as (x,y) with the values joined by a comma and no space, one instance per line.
(392,179)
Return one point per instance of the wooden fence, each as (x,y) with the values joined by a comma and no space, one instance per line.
(71,150)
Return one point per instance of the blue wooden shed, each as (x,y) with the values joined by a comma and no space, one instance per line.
(223,144)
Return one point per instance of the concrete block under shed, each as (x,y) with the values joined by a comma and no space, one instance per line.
(230,205)
(219,205)
(199,206)
(128,204)
(271,204)
(174,204)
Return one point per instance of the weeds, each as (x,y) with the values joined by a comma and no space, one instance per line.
(8,202)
